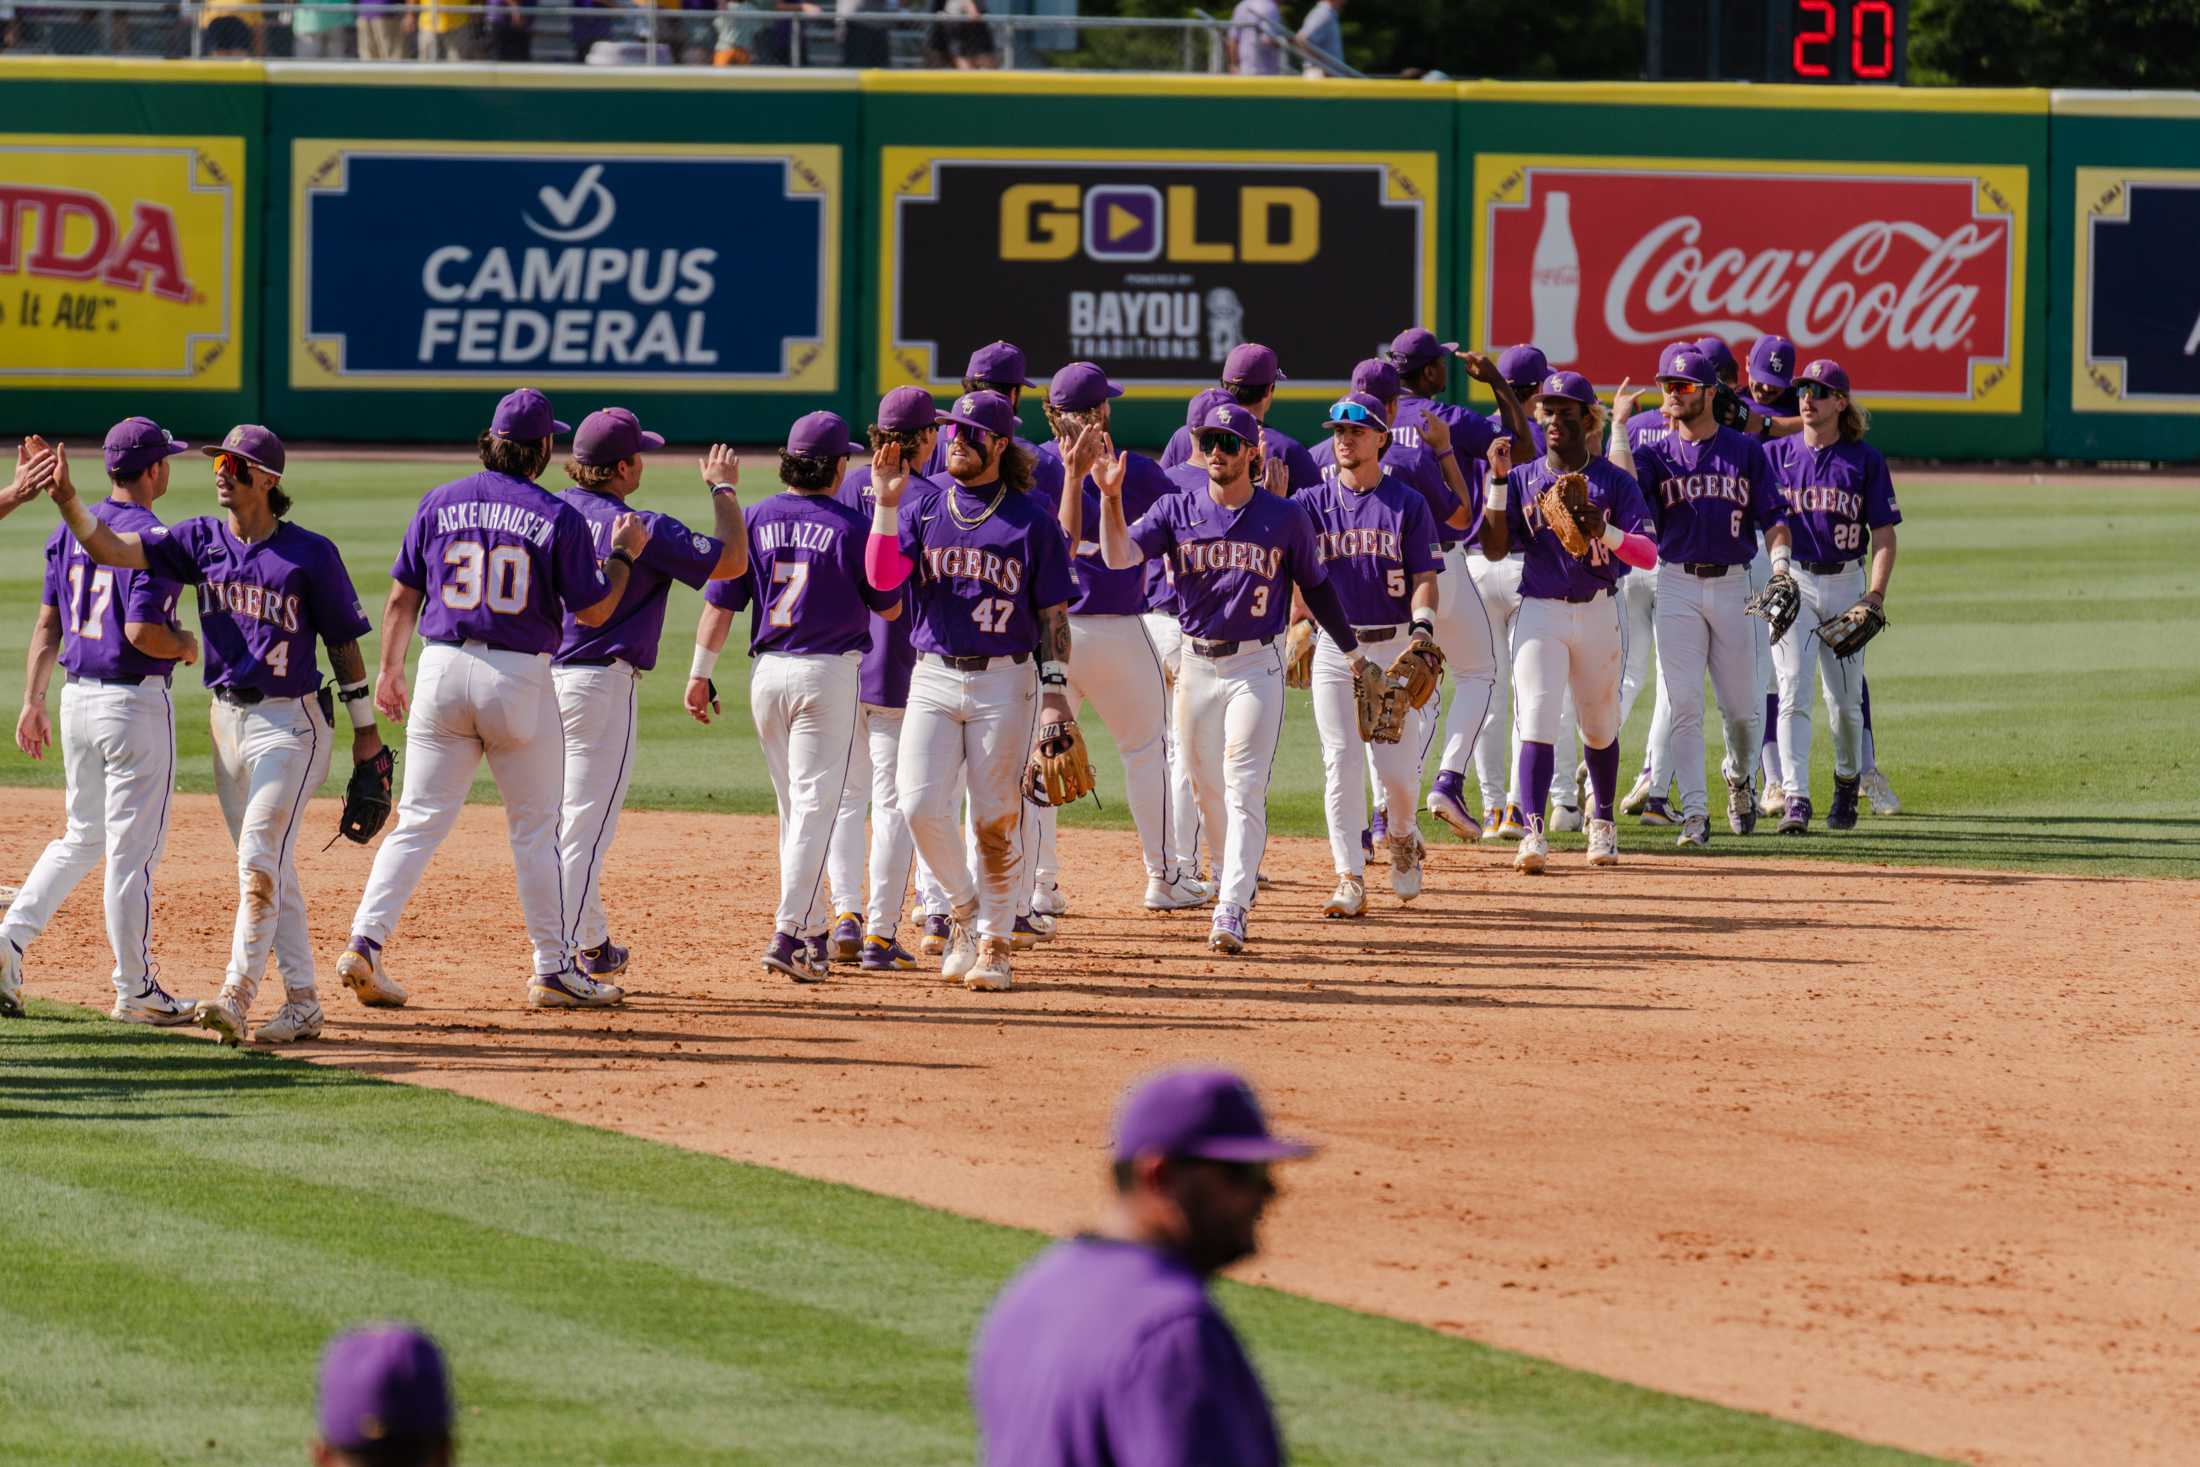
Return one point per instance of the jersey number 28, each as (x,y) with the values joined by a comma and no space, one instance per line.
(497,575)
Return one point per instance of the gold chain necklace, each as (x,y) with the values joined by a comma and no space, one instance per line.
(955,511)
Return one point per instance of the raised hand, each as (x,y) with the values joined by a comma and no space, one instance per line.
(1501,457)
(1109,473)
(1083,452)
(1623,401)
(1479,367)
(1435,432)
(629,532)
(719,466)
(889,475)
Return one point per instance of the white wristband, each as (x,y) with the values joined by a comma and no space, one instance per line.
(1054,674)
(1613,536)
(885,521)
(1780,562)
(706,662)
(1493,497)
(361,713)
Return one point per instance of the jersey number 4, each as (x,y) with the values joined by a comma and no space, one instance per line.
(498,576)
(90,621)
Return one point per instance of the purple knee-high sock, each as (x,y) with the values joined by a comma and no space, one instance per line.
(1533,776)
(1772,721)
(1603,777)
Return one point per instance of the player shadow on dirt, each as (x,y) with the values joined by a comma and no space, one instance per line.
(384,1056)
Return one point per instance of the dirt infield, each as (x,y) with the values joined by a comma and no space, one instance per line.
(1909,1155)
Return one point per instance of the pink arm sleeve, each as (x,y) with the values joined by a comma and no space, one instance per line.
(1638,551)
(884,563)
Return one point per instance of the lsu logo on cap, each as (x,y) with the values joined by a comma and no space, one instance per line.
(966,403)
(1554,384)
(1776,363)
(236,436)
(1219,418)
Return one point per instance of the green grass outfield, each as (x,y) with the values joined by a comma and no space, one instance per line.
(2036,696)
(186,1225)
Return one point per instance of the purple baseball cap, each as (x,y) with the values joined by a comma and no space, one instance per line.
(1523,366)
(252,443)
(380,1383)
(998,362)
(908,410)
(1227,417)
(821,435)
(1252,364)
(1718,353)
(608,435)
(1571,386)
(988,412)
(1195,412)
(526,414)
(1772,361)
(1688,366)
(1373,412)
(1080,386)
(136,444)
(1377,377)
(1415,347)
(1210,1114)
(1670,352)
(1826,372)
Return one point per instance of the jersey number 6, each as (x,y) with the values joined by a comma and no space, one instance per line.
(499,576)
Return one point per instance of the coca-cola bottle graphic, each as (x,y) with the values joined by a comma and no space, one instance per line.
(1554,284)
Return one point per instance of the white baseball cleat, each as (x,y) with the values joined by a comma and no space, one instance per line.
(1534,852)
(1043,925)
(292,1022)
(362,974)
(1452,810)
(154,1005)
(1695,833)
(1880,794)
(1348,900)
(225,1015)
(1637,796)
(1603,843)
(11,979)
(1774,801)
(1048,901)
(1172,896)
(570,988)
(1406,852)
(1741,806)
(961,954)
(991,975)
(1566,817)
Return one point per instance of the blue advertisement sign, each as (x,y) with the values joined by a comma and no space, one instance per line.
(636,265)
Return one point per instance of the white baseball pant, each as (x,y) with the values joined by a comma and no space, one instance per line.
(1701,626)
(1842,679)
(118,756)
(472,702)
(269,758)
(1768,676)
(1469,639)
(1167,637)
(1562,647)
(974,726)
(598,707)
(1344,781)
(1638,600)
(804,705)
(1230,715)
(871,783)
(1497,585)
(1114,666)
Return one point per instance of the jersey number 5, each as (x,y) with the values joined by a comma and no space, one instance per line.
(498,576)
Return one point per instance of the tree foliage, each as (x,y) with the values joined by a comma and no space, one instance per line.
(2056,43)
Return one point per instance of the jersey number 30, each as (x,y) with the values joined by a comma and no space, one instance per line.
(497,575)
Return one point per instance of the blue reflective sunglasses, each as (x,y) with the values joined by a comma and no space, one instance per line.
(1352,412)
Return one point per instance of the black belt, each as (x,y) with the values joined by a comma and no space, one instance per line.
(443,641)
(1710,570)
(242,697)
(1825,567)
(588,661)
(1447,546)
(1374,634)
(975,664)
(1582,600)
(1225,649)
(108,682)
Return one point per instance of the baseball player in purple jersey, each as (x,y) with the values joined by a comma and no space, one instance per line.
(268,591)
(1841,509)
(999,367)
(1379,544)
(1570,633)
(384,1401)
(1497,583)
(1114,664)
(1235,553)
(114,634)
(1712,495)
(1106,1349)
(810,613)
(597,670)
(1769,386)
(991,584)
(487,571)
(1249,377)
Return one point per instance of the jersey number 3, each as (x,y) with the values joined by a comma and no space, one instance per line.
(498,576)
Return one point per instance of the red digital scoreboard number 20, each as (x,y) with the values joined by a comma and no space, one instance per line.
(1847,40)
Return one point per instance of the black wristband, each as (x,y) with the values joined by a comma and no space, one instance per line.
(1422,627)
(622,555)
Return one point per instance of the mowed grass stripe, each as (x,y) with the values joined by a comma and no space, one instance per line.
(189,1224)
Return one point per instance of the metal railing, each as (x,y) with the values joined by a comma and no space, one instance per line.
(623,33)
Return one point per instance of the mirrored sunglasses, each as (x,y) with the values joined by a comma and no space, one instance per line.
(1813,389)
(1225,444)
(1679,387)
(1352,412)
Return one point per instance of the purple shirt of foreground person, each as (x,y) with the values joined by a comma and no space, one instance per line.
(385,1398)
(1107,1348)
(808,595)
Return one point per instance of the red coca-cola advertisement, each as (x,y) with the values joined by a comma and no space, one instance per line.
(1911,278)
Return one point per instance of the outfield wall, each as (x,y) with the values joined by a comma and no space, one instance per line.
(373,252)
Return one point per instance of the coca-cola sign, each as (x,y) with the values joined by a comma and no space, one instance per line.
(1912,277)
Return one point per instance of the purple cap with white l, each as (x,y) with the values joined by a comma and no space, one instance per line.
(999,362)
(1718,353)
(1673,351)
(1417,346)
(252,443)
(1081,386)
(136,444)
(1571,386)
(1827,372)
(1772,361)
(383,1383)
(1377,377)
(988,412)
(1523,366)
(1195,412)
(1688,366)
(608,435)
(1227,417)
(1373,412)
(1208,1114)
(1252,364)
(821,435)
(908,410)
(526,414)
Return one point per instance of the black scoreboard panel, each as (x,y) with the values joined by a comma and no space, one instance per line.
(1814,42)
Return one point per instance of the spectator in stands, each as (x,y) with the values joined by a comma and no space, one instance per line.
(1254,51)
(323,29)
(584,31)
(230,30)
(1322,33)
(511,30)
(381,30)
(862,45)
(754,33)
(385,1401)
(965,42)
(446,31)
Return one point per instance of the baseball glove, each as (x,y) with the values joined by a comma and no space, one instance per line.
(1846,634)
(1728,410)
(1565,507)
(1415,672)
(1060,771)
(1777,603)
(1381,710)
(1298,656)
(367,797)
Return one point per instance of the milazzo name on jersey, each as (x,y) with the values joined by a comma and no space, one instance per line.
(1822,498)
(972,562)
(247,599)
(1688,488)
(1194,556)
(797,535)
(1381,544)
(483,514)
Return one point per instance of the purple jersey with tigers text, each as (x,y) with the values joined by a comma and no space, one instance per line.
(1298,460)
(981,577)
(500,561)
(1373,544)
(1549,570)
(97,601)
(1710,499)
(1186,478)
(1836,496)
(1411,465)
(884,678)
(637,623)
(807,593)
(261,606)
(1101,591)
(1234,568)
